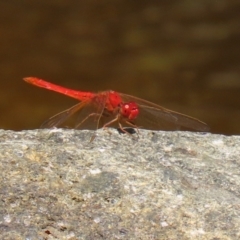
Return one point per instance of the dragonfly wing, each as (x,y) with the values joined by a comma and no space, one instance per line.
(90,115)
(169,120)
(155,117)
(61,117)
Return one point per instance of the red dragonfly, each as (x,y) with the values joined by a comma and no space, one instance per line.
(118,108)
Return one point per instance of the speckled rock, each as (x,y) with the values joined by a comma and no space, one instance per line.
(55,184)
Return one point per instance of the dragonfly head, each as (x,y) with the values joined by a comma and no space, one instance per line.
(129,110)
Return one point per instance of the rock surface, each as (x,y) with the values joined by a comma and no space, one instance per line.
(55,184)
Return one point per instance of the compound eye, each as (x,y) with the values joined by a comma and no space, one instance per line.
(125,111)
(130,110)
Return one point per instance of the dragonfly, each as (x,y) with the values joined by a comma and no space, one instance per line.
(110,107)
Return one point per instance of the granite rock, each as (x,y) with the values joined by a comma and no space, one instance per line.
(56,184)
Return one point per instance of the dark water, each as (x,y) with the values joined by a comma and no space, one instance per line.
(183,55)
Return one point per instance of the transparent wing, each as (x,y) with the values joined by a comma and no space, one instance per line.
(61,117)
(89,115)
(155,117)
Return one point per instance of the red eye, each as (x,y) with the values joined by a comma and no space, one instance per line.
(130,110)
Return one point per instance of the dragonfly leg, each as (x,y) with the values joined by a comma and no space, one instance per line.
(117,119)
(123,130)
(133,125)
(88,116)
(110,122)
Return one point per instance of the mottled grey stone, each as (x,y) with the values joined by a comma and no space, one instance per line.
(55,184)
